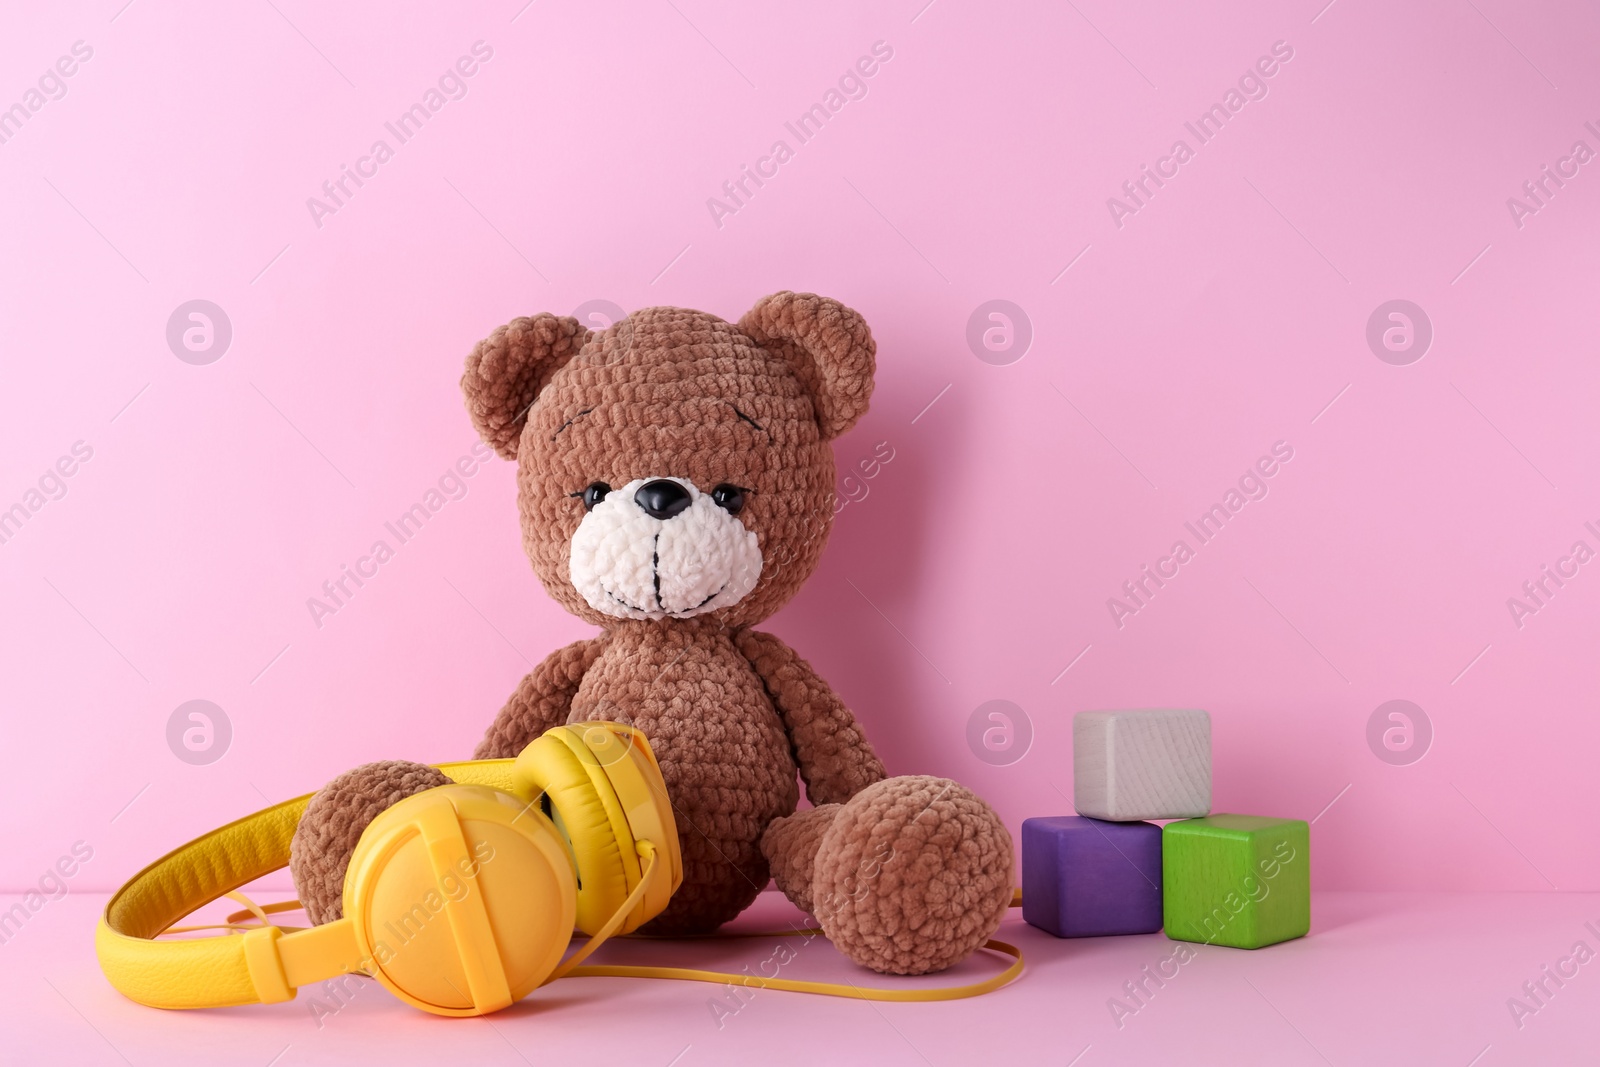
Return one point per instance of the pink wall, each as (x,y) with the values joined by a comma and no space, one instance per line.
(1221,317)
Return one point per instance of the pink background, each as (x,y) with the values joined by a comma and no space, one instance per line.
(1221,318)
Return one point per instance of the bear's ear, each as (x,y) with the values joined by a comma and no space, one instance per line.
(507,369)
(831,349)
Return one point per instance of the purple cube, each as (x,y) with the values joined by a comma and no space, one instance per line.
(1082,877)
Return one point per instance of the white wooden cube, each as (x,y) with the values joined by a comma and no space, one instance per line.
(1149,764)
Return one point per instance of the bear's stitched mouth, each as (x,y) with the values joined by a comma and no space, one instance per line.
(619,600)
(655,569)
(664,608)
(710,598)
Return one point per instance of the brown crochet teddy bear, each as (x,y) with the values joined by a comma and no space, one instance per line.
(676,486)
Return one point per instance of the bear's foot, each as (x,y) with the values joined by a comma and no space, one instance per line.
(334,821)
(910,876)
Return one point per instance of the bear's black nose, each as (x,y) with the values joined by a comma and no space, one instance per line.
(662,499)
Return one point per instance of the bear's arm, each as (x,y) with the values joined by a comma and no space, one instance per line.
(542,701)
(836,761)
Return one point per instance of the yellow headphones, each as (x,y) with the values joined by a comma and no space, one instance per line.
(460,900)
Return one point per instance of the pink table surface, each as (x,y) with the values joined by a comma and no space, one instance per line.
(1383,978)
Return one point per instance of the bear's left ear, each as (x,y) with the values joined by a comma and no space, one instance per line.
(831,349)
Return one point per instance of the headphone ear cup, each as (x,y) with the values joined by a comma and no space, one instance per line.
(461,899)
(634,778)
(585,810)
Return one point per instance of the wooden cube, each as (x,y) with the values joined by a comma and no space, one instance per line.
(1134,765)
(1087,878)
(1237,880)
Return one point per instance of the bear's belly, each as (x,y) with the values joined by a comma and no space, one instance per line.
(723,753)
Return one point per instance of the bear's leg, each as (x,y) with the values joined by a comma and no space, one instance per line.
(791,844)
(910,876)
(333,822)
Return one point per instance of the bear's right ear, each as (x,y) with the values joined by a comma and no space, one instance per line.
(507,369)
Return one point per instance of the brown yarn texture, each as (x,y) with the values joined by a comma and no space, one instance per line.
(732,714)
(913,875)
(791,844)
(334,821)
(506,370)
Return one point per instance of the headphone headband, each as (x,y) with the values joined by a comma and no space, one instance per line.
(264,965)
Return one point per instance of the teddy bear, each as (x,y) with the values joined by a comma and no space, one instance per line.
(675,483)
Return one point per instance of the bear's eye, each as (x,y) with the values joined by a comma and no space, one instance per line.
(592,494)
(729,498)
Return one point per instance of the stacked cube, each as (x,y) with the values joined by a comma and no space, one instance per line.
(1239,880)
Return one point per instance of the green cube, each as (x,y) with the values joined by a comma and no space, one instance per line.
(1237,880)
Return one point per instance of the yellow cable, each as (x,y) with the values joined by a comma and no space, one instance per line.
(250,906)
(827,989)
(271,909)
(569,968)
(723,935)
(236,927)
(647,852)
